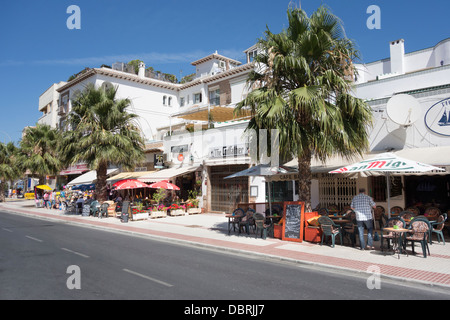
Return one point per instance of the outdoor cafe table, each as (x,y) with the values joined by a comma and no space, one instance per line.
(344,221)
(397,243)
(335,217)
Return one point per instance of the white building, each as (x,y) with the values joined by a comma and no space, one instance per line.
(425,76)
(48,105)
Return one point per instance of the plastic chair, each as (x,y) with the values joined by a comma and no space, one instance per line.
(406,215)
(438,227)
(420,233)
(350,229)
(329,229)
(432,213)
(389,224)
(414,210)
(247,221)
(103,210)
(261,226)
(378,215)
(94,208)
(396,210)
(237,215)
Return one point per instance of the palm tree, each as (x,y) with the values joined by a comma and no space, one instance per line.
(9,169)
(101,133)
(38,151)
(302,88)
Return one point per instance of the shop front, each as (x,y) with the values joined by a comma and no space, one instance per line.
(226,194)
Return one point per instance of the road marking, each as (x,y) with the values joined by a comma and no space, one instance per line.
(148,278)
(7,230)
(35,239)
(74,252)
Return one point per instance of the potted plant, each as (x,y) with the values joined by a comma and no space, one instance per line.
(158,211)
(139,213)
(192,203)
(177,210)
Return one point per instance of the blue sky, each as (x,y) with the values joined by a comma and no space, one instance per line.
(37,49)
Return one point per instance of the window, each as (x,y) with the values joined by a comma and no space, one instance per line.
(164,100)
(214,97)
(170,101)
(197,98)
(182,102)
(252,55)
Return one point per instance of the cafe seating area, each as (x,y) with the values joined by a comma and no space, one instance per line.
(401,231)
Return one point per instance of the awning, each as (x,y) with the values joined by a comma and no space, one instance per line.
(214,113)
(333,162)
(168,174)
(75,169)
(129,175)
(89,177)
(436,156)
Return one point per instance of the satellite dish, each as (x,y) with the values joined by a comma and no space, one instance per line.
(403,109)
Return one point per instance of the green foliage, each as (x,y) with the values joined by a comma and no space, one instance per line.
(102,133)
(159,195)
(39,151)
(303,89)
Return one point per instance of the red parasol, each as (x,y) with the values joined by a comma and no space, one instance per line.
(164,185)
(129,184)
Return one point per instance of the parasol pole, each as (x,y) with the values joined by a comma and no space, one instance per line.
(270,190)
(388,186)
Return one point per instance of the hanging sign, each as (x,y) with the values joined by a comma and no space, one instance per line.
(437,118)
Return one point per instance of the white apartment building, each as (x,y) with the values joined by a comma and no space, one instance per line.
(166,110)
(421,133)
(48,105)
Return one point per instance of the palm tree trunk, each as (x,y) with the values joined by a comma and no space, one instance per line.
(2,190)
(304,181)
(100,186)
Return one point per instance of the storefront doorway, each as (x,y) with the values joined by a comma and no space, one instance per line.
(227,193)
(428,191)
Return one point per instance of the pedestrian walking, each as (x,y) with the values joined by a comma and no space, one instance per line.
(362,204)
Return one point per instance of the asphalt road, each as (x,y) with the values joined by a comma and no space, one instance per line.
(41,259)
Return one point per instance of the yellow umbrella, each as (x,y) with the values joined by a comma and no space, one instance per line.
(43,187)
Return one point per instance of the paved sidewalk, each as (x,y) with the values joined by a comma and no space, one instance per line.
(210,230)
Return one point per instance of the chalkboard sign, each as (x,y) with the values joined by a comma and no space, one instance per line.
(293,216)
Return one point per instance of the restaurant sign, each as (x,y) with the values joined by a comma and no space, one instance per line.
(437,118)
(75,169)
(239,150)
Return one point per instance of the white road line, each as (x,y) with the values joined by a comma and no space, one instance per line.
(35,239)
(74,252)
(148,278)
(7,230)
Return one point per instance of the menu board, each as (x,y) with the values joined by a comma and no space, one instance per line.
(293,216)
